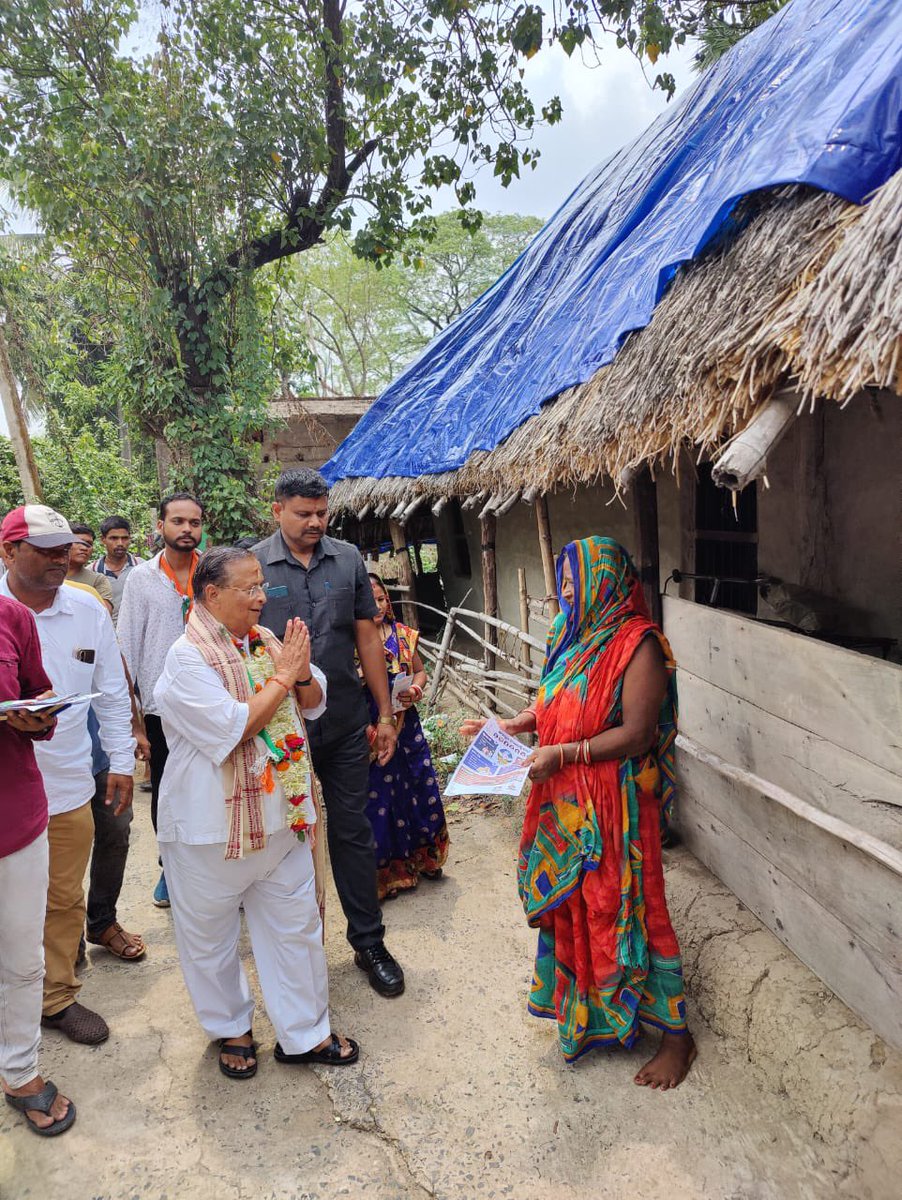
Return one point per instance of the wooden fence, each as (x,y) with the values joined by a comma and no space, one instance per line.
(501,680)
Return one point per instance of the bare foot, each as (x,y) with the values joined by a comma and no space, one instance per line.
(237,1061)
(346,1048)
(58,1108)
(671,1064)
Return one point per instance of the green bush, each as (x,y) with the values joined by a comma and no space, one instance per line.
(84,478)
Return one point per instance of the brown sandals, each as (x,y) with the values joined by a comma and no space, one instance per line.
(127,946)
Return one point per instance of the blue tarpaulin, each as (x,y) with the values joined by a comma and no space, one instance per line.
(813,96)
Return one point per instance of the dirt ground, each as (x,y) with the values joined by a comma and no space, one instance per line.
(459,1094)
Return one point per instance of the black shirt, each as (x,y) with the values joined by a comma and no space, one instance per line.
(329,596)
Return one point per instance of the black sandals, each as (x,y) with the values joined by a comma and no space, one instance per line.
(330,1056)
(227,1046)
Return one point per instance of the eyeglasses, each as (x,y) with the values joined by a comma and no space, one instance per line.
(263,588)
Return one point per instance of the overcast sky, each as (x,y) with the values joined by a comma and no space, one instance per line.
(605,107)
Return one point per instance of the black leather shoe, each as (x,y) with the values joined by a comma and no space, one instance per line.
(386,976)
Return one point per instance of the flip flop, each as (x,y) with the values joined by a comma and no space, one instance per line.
(226,1046)
(42,1101)
(331,1056)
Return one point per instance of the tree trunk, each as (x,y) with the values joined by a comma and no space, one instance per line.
(545,546)
(18,428)
(408,583)
(125,441)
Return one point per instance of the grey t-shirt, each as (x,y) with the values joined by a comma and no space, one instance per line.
(116,582)
(329,596)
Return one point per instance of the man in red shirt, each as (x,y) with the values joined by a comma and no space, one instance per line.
(23,878)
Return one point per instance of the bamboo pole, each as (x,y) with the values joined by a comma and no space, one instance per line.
(466,697)
(543,522)
(745,457)
(506,505)
(524,612)
(442,656)
(488,527)
(399,542)
(18,429)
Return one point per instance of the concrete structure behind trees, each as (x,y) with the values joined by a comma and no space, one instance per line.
(308,429)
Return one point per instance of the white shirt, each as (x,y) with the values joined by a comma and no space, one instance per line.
(75,624)
(203,724)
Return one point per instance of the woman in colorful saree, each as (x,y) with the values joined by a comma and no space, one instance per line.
(590,872)
(404,804)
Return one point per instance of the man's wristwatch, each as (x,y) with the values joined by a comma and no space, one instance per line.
(386,720)
(304,682)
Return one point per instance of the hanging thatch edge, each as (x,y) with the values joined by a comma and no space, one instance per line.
(807,290)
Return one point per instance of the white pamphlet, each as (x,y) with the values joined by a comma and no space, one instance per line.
(53,704)
(491,766)
(402,684)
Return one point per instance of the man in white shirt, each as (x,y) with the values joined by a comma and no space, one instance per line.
(236,789)
(81,656)
(155,606)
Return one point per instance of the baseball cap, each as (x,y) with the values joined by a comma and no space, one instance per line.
(38,525)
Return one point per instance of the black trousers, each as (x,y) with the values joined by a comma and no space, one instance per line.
(108,859)
(159,752)
(343,768)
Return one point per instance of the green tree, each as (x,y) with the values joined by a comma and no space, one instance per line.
(176,177)
(721,26)
(84,478)
(61,345)
(365,323)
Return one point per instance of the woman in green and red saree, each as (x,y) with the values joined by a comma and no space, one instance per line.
(590,873)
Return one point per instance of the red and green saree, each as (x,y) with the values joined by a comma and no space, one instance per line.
(590,873)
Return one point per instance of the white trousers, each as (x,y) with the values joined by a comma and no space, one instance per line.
(23,906)
(277,889)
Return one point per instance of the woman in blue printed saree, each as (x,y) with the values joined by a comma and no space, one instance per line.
(404,804)
(590,873)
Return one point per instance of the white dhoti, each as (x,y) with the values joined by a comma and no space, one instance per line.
(276,886)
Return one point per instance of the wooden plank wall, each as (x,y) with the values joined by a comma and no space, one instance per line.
(790,772)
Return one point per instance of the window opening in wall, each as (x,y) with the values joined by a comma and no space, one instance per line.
(726,545)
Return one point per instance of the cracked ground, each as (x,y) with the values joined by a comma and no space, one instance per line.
(458,1094)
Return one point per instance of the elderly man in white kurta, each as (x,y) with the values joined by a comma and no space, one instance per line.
(236,819)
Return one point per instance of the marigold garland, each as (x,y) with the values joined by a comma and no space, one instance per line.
(286,747)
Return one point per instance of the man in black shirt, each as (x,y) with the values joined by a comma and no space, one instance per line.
(324,582)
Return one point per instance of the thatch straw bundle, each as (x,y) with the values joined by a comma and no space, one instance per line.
(801,286)
(843,330)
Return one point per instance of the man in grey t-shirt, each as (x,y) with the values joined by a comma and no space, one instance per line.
(324,582)
(116,562)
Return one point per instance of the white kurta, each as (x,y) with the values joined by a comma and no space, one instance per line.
(203,724)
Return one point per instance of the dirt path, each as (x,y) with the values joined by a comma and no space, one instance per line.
(459,1094)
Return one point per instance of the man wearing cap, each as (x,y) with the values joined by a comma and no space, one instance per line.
(80,656)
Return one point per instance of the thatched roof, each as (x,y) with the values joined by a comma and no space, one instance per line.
(802,289)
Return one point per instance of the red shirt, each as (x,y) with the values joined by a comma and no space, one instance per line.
(23,802)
